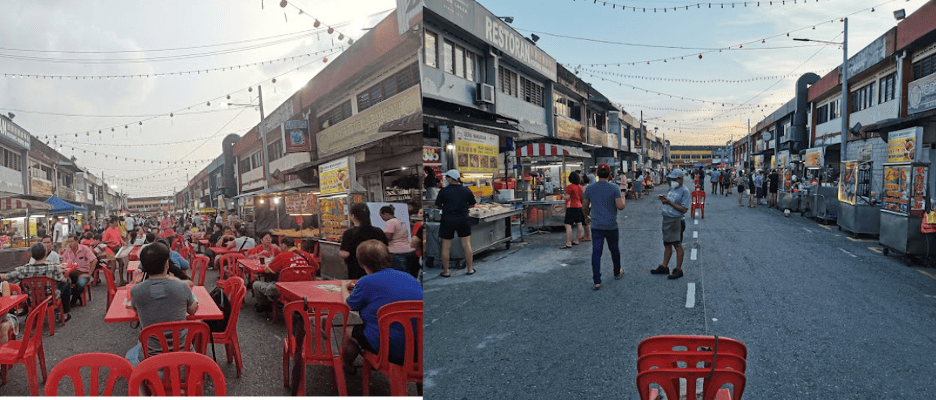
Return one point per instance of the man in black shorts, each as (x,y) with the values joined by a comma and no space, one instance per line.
(773,183)
(454,200)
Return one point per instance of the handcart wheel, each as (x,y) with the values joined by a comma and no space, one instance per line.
(508,245)
(886,251)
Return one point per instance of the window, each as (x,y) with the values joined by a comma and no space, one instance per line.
(12,160)
(532,91)
(507,80)
(471,66)
(335,115)
(596,120)
(568,108)
(448,53)
(460,61)
(924,67)
(430,48)
(243,165)
(275,151)
(396,83)
(862,98)
(256,160)
(886,91)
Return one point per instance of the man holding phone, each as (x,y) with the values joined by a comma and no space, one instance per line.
(676,203)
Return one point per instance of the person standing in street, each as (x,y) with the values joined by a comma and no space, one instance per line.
(675,205)
(602,200)
(573,215)
(750,189)
(726,182)
(773,183)
(586,222)
(430,183)
(740,181)
(759,185)
(715,175)
(454,200)
(701,174)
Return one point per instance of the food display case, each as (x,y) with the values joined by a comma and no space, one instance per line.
(334,202)
(856,205)
(786,199)
(490,226)
(906,195)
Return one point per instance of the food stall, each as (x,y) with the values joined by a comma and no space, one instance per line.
(19,216)
(547,167)
(813,161)
(476,159)
(906,189)
(334,204)
(857,210)
(786,198)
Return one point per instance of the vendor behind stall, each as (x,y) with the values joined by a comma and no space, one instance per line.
(454,200)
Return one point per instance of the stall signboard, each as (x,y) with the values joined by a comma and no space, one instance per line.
(846,189)
(759,162)
(864,151)
(296,136)
(400,211)
(334,215)
(335,177)
(784,159)
(814,158)
(902,145)
(476,152)
(897,188)
(301,204)
(918,200)
(432,155)
(569,130)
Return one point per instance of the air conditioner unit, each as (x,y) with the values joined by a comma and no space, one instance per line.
(484,93)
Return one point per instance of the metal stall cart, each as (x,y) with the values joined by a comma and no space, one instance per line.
(786,199)
(20,216)
(543,215)
(812,162)
(906,181)
(553,163)
(856,209)
(490,226)
(334,203)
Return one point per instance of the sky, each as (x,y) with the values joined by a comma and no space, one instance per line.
(121,38)
(756,79)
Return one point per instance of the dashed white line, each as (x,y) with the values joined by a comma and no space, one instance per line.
(807,230)
(690,296)
(693,254)
(846,252)
(695,235)
(696,222)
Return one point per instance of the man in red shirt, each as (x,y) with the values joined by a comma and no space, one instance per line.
(84,258)
(290,256)
(114,240)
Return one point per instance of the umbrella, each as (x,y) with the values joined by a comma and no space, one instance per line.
(722,165)
(698,165)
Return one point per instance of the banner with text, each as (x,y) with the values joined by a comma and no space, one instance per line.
(335,177)
(475,151)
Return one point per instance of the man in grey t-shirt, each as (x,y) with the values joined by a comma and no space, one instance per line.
(676,203)
(160,298)
(603,200)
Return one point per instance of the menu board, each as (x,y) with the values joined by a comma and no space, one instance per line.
(475,151)
(918,199)
(334,215)
(897,188)
(847,182)
(335,177)
(301,204)
(759,162)
(787,179)
(901,146)
(814,158)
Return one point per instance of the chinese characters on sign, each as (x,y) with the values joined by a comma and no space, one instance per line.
(901,146)
(476,151)
(335,177)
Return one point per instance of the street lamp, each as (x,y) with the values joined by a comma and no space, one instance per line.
(844,106)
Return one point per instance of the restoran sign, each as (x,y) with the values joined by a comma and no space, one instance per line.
(14,133)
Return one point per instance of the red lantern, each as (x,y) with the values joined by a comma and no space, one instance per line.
(274,80)
(283,4)
(350,41)
(700,56)
(340,36)
(331,30)
(325,59)
(316,24)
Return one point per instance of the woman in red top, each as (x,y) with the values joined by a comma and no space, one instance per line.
(266,248)
(573,216)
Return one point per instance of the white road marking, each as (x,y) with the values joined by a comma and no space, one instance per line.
(695,235)
(715,319)
(693,254)
(690,296)
(696,222)
(846,252)
(807,230)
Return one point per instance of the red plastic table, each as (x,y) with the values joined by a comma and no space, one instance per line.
(133,267)
(327,291)
(219,251)
(8,303)
(203,244)
(252,267)
(135,253)
(118,312)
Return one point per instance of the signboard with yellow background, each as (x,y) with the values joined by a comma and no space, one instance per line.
(814,158)
(335,177)
(476,152)
(902,145)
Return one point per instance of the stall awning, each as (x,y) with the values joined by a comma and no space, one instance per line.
(546,149)
(20,204)
(59,205)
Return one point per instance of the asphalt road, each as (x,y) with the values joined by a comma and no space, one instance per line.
(822,315)
(261,348)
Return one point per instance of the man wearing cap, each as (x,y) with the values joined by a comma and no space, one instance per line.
(454,200)
(675,205)
(602,200)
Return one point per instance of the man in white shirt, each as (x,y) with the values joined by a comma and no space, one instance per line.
(51,256)
(220,218)
(129,221)
(241,241)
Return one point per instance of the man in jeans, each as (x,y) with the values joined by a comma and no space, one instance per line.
(602,200)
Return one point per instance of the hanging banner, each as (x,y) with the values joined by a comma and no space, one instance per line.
(902,145)
(432,155)
(301,204)
(814,158)
(476,151)
(569,130)
(296,137)
(759,162)
(784,159)
(335,177)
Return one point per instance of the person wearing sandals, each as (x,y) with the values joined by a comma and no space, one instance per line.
(603,200)
(454,200)
(675,205)
(740,180)
(573,214)
(586,221)
(750,189)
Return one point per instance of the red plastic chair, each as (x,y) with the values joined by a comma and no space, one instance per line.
(408,315)
(198,336)
(111,285)
(660,361)
(228,265)
(235,290)
(698,202)
(318,341)
(146,375)
(27,350)
(293,274)
(118,367)
(37,288)
(199,270)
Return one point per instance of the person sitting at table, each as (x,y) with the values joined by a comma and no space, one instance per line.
(43,268)
(114,241)
(174,256)
(87,238)
(82,256)
(289,256)
(381,286)
(266,249)
(9,320)
(241,241)
(159,298)
(362,230)
(51,256)
(218,240)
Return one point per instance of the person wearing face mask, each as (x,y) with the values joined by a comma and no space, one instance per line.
(675,205)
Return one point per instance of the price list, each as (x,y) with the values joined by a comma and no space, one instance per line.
(334,214)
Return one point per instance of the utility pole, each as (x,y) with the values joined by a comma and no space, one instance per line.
(844,107)
(263,142)
(643,141)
